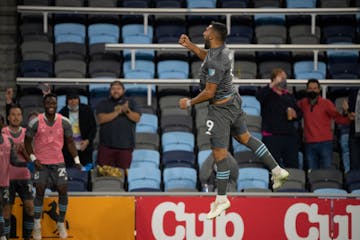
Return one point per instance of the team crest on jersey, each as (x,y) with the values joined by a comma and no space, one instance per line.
(211,71)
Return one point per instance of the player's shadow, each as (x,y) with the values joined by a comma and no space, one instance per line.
(52,213)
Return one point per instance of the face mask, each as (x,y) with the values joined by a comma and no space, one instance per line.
(312,95)
(282,85)
(73,109)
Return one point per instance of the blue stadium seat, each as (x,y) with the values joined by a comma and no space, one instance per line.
(148,123)
(330,191)
(251,105)
(178,158)
(173,69)
(69,32)
(144,179)
(144,69)
(253,178)
(301,4)
(305,70)
(202,156)
(238,147)
(103,33)
(145,158)
(180,179)
(77,180)
(201,3)
(135,33)
(178,141)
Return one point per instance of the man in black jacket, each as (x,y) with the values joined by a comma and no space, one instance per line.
(83,124)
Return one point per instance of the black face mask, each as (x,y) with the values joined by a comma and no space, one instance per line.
(311,95)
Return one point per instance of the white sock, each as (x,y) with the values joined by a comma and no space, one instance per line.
(221,198)
(37,222)
(276,170)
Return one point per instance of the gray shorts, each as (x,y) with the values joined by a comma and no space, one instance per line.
(224,120)
(51,175)
(4,197)
(23,188)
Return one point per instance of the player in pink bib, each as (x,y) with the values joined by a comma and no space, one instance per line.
(47,132)
(20,177)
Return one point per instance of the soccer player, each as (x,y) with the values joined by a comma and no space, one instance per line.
(20,177)
(225,115)
(47,132)
(8,156)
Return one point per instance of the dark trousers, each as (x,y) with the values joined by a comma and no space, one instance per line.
(114,157)
(354,145)
(284,149)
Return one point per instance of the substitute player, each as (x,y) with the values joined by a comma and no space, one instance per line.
(47,132)
(225,116)
(20,177)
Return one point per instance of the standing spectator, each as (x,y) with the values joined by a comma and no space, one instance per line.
(318,114)
(280,123)
(44,141)
(83,125)
(117,117)
(20,177)
(354,135)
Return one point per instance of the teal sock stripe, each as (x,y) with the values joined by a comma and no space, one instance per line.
(261,151)
(223,175)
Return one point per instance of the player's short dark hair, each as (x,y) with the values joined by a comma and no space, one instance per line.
(49,95)
(221,29)
(313,80)
(15,105)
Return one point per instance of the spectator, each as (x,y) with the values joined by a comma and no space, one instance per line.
(318,114)
(207,174)
(117,117)
(280,123)
(83,125)
(2,121)
(354,135)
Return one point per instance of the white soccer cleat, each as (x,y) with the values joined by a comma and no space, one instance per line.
(218,208)
(279,179)
(62,230)
(37,231)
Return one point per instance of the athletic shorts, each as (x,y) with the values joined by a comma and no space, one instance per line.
(23,187)
(4,196)
(51,174)
(224,120)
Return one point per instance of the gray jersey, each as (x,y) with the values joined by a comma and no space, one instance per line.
(216,68)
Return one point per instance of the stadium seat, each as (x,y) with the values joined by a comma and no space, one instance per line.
(107,183)
(245,69)
(201,3)
(34,31)
(334,3)
(305,70)
(353,180)
(253,178)
(251,105)
(77,180)
(69,3)
(202,156)
(103,33)
(147,141)
(145,158)
(233,3)
(168,30)
(338,34)
(296,181)
(70,51)
(177,141)
(69,32)
(171,123)
(173,69)
(135,33)
(102,3)
(300,4)
(36,68)
(104,68)
(180,179)
(343,70)
(330,191)
(37,50)
(270,34)
(325,178)
(148,123)
(144,179)
(266,67)
(70,69)
(178,158)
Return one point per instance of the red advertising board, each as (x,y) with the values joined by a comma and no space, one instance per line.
(175,218)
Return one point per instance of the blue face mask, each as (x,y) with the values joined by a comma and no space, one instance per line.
(73,109)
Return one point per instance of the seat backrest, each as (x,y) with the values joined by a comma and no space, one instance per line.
(144,177)
(178,159)
(145,158)
(179,178)
(330,191)
(147,140)
(253,178)
(171,140)
(148,123)
(173,66)
(140,65)
(300,4)
(176,123)
(202,156)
